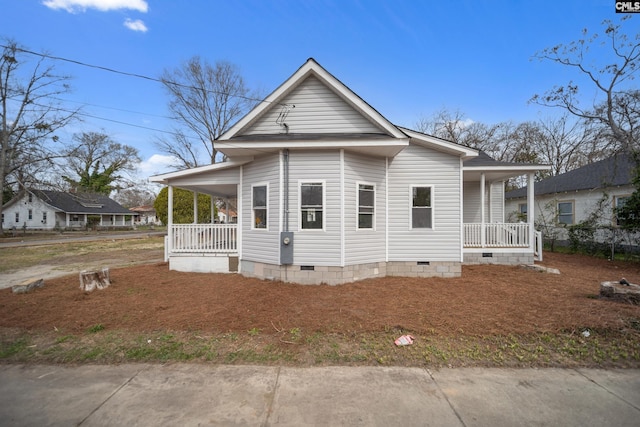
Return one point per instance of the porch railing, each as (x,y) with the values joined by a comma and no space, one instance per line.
(200,238)
(496,235)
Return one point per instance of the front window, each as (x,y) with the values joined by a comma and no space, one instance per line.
(421,207)
(366,206)
(30,214)
(311,205)
(565,213)
(44,217)
(17,216)
(259,204)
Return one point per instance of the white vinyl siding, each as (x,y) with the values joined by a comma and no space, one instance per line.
(316,247)
(362,245)
(318,109)
(261,245)
(494,202)
(417,165)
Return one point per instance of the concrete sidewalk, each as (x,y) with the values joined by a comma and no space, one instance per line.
(198,394)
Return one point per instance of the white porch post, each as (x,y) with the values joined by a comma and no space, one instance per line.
(530,210)
(170,219)
(482,219)
(195,207)
(66,221)
(213,211)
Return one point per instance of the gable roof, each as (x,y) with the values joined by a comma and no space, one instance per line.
(88,203)
(612,172)
(312,69)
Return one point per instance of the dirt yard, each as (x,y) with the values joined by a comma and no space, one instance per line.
(485,300)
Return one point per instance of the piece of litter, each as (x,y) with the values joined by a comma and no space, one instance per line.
(404,340)
(586,333)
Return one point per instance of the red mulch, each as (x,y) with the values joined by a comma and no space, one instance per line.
(485,300)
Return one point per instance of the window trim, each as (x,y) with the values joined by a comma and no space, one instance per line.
(573,212)
(432,207)
(253,212)
(373,214)
(301,182)
(614,220)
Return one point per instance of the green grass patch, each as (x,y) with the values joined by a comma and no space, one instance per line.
(605,348)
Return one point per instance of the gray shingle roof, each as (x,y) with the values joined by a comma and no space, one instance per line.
(611,172)
(88,203)
(483,159)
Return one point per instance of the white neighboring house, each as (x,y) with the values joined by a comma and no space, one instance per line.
(571,197)
(329,191)
(49,210)
(146,215)
(227,215)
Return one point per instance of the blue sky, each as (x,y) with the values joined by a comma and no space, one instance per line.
(408,59)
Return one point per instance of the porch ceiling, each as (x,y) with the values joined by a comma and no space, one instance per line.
(217,190)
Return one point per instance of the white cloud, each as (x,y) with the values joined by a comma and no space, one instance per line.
(135,25)
(75,6)
(156,164)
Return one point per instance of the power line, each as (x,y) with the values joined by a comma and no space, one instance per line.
(125,73)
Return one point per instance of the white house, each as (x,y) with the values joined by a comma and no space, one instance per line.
(329,191)
(48,210)
(571,197)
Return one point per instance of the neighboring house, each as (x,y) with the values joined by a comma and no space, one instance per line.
(48,210)
(574,196)
(227,216)
(146,215)
(330,191)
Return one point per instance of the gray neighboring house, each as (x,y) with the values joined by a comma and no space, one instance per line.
(48,210)
(570,198)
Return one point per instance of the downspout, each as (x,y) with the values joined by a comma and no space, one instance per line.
(482,218)
(285,158)
(169,245)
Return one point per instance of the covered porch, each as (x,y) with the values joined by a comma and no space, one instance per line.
(212,247)
(486,236)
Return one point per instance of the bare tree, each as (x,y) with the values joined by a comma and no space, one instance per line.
(30,115)
(94,162)
(615,104)
(206,100)
(455,127)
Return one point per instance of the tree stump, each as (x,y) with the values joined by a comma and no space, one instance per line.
(616,291)
(90,280)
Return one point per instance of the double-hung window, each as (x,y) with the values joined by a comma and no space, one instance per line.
(565,213)
(421,207)
(366,206)
(312,205)
(259,194)
(619,204)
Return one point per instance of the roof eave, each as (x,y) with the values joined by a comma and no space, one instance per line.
(232,163)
